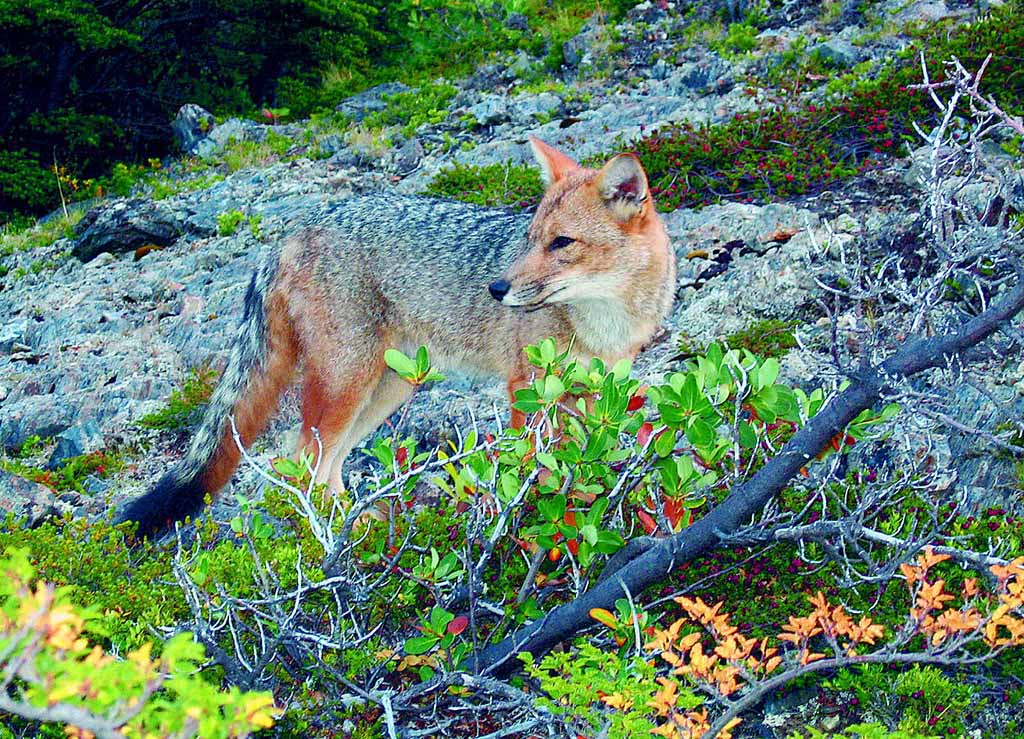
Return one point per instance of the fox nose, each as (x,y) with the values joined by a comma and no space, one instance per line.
(499,289)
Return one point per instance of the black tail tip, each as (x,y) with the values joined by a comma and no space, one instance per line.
(172,499)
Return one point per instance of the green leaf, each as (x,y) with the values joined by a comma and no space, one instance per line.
(400,363)
(665,443)
(420,644)
(700,433)
(768,373)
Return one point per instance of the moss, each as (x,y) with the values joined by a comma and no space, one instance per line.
(518,185)
(184,402)
(768,337)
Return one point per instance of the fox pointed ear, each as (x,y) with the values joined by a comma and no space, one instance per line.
(554,165)
(622,184)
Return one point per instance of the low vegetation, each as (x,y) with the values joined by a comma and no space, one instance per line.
(516,185)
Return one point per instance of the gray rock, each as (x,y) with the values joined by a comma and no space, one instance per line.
(190,126)
(526,109)
(38,415)
(523,65)
(712,72)
(331,145)
(490,110)
(576,48)
(125,225)
(517,22)
(27,499)
(74,442)
(12,334)
(233,130)
(357,107)
(409,156)
(659,70)
(837,52)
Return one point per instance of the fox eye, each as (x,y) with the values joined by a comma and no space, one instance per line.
(560,242)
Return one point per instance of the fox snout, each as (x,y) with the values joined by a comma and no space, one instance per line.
(499,289)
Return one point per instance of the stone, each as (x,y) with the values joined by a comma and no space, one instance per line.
(409,156)
(522,66)
(13,334)
(526,109)
(27,499)
(74,442)
(125,225)
(490,110)
(357,107)
(837,52)
(517,22)
(576,48)
(331,145)
(190,126)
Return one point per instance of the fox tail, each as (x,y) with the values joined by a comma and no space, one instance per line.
(262,361)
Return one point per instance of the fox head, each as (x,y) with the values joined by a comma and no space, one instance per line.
(594,235)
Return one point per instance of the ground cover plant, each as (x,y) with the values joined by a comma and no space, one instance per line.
(790,146)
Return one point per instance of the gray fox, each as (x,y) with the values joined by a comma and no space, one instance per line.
(593,266)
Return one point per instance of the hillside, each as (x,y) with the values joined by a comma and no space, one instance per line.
(786,151)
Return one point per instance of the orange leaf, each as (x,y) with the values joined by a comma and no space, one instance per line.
(604,616)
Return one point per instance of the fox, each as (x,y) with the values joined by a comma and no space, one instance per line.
(593,268)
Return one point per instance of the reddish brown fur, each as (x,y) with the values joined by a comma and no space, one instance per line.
(258,403)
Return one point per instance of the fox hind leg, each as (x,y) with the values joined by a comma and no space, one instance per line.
(387,397)
(331,402)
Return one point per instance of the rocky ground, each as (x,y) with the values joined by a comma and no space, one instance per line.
(149,288)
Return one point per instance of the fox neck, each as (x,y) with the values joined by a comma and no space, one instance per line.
(606,328)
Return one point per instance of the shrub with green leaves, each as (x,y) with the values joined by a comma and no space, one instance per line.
(596,691)
(184,402)
(516,185)
(228,222)
(53,671)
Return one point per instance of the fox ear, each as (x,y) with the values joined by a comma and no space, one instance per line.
(554,165)
(623,186)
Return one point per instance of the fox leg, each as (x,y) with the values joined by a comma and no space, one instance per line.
(331,401)
(387,397)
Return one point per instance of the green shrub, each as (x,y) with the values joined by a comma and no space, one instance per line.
(518,185)
(25,184)
(50,647)
(183,403)
(428,104)
(228,222)
(768,337)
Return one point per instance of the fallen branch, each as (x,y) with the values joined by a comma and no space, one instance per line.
(748,499)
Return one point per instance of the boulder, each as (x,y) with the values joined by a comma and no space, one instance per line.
(27,499)
(74,442)
(192,124)
(357,107)
(125,225)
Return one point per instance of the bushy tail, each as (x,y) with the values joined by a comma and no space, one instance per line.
(262,362)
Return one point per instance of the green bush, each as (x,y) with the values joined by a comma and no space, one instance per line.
(183,404)
(518,185)
(63,674)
